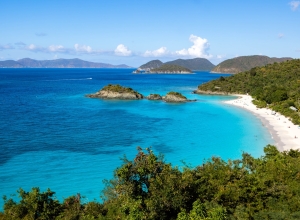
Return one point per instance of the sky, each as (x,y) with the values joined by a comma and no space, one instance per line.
(134,32)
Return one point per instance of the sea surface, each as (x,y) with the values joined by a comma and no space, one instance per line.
(52,136)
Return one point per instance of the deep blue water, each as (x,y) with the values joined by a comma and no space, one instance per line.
(52,136)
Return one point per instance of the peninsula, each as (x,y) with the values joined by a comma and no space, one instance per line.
(116,92)
(270,93)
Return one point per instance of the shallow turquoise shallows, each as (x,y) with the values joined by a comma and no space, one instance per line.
(52,136)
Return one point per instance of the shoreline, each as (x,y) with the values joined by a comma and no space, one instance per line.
(285,134)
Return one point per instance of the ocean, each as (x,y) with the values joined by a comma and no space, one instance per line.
(52,136)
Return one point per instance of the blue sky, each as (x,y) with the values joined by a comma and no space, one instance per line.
(134,32)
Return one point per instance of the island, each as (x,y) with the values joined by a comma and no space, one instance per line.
(154,97)
(123,93)
(116,92)
(171,69)
(175,97)
(196,64)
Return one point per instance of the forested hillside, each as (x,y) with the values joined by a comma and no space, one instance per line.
(149,188)
(201,64)
(276,86)
(245,63)
(170,68)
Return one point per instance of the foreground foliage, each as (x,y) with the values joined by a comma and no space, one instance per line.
(149,188)
(274,85)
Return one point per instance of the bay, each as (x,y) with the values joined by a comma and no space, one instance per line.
(52,136)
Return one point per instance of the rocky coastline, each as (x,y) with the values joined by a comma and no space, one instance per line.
(154,97)
(208,92)
(116,92)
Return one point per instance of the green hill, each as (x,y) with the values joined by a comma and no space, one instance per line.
(201,64)
(275,85)
(244,63)
(169,68)
(152,64)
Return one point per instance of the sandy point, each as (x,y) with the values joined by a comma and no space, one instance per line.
(285,134)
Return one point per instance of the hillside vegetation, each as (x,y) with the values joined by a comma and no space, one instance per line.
(276,86)
(201,64)
(169,68)
(149,188)
(151,64)
(245,63)
(118,88)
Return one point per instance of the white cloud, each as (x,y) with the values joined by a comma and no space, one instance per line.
(122,50)
(199,48)
(156,53)
(6,47)
(294,5)
(83,48)
(220,56)
(78,49)
(32,47)
(56,48)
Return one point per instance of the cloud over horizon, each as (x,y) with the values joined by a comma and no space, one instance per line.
(122,50)
(56,48)
(6,47)
(294,5)
(83,48)
(78,49)
(156,53)
(198,49)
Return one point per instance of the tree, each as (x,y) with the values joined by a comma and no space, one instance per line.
(33,205)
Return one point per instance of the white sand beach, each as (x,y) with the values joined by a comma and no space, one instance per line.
(285,134)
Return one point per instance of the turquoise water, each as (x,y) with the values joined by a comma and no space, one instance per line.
(52,136)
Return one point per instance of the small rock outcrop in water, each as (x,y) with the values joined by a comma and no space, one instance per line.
(175,97)
(154,97)
(116,92)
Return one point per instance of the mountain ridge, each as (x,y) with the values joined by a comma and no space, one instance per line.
(245,63)
(57,63)
(195,64)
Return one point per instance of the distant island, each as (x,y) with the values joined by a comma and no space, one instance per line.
(196,64)
(58,63)
(245,63)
